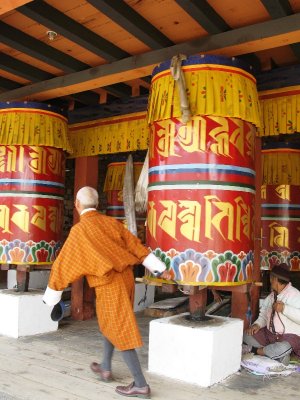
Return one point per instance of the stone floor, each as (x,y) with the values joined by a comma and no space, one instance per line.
(56,366)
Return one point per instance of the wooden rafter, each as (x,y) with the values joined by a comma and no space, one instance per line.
(255,37)
(50,17)
(278,9)
(202,12)
(125,16)
(9,5)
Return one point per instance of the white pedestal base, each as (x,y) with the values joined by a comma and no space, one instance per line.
(199,353)
(37,279)
(24,314)
(143,298)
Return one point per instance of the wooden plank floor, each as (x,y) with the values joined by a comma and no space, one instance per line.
(56,366)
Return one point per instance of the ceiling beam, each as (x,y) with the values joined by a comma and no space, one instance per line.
(51,18)
(19,40)
(126,17)
(20,68)
(279,9)
(7,84)
(205,15)
(202,12)
(261,36)
(9,5)
(33,74)
(37,49)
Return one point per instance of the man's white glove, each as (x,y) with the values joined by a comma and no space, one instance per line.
(52,297)
(154,264)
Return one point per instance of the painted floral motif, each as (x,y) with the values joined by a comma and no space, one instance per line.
(30,252)
(192,266)
(272,258)
(188,262)
(226,267)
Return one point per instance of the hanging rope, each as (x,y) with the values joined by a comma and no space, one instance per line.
(178,76)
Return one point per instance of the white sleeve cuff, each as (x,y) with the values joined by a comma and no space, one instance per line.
(154,264)
(52,297)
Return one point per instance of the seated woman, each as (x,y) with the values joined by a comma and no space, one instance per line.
(276,332)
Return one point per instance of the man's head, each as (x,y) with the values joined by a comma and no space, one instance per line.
(87,197)
(279,277)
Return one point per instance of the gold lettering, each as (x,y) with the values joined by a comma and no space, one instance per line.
(55,217)
(221,137)
(192,136)
(250,137)
(283,192)
(38,161)
(244,220)
(8,158)
(263,192)
(167,219)
(55,161)
(39,218)
(226,212)
(165,131)
(190,217)
(4,218)
(279,235)
(152,219)
(237,136)
(21,217)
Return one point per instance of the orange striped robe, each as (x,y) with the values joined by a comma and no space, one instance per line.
(102,249)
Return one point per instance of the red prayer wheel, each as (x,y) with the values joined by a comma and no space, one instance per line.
(31,193)
(201,175)
(280,206)
(113,187)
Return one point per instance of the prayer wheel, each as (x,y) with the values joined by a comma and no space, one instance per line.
(280,194)
(113,186)
(32,173)
(201,173)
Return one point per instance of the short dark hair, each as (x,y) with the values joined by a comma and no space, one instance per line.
(282,273)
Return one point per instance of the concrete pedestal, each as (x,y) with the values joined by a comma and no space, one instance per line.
(37,279)
(144,296)
(24,314)
(200,353)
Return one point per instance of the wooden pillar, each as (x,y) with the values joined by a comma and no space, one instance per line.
(197,303)
(82,298)
(239,305)
(257,276)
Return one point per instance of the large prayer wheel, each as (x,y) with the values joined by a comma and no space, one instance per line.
(32,183)
(201,173)
(113,186)
(280,193)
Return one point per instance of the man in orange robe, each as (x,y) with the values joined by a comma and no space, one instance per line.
(102,249)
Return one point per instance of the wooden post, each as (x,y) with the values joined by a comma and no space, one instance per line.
(197,304)
(22,278)
(82,297)
(239,306)
(257,276)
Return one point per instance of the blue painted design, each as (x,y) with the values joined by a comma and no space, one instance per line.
(206,59)
(25,104)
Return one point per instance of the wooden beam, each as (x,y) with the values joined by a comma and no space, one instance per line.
(125,16)
(261,36)
(82,303)
(213,23)
(27,44)
(278,9)
(20,68)
(9,5)
(205,15)
(49,16)
(7,84)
